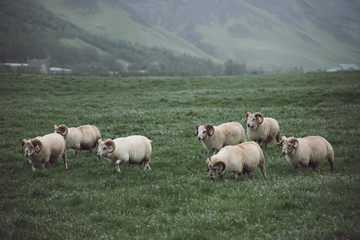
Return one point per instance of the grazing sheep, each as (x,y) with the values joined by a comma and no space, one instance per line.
(79,138)
(262,130)
(308,151)
(46,149)
(133,149)
(216,137)
(241,158)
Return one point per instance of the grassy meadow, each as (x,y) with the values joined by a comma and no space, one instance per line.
(177,200)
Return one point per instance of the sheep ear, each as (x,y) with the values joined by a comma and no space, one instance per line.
(220,166)
(210,129)
(208,162)
(247,115)
(259,117)
(197,129)
(37,144)
(110,144)
(294,142)
(99,141)
(22,145)
(63,130)
(280,143)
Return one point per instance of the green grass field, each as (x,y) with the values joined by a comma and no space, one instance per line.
(177,200)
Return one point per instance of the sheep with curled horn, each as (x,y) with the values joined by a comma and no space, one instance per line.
(237,159)
(45,149)
(262,130)
(307,152)
(216,137)
(79,138)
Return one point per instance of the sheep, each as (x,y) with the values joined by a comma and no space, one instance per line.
(216,137)
(45,149)
(79,138)
(308,151)
(133,149)
(241,158)
(262,130)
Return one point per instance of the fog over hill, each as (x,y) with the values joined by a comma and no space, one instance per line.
(268,33)
(264,35)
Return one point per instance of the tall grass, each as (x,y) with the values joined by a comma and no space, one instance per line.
(177,200)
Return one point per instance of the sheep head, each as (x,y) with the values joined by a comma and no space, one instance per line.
(61,129)
(289,145)
(253,119)
(106,147)
(215,168)
(203,131)
(30,147)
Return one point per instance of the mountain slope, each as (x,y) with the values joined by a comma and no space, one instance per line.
(269,34)
(114,20)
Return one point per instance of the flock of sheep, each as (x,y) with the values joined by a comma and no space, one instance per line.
(231,152)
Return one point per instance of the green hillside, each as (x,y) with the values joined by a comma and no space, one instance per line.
(117,22)
(270,34)
(28,30)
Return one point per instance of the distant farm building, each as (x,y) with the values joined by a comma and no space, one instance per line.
(43,65)
(344,67)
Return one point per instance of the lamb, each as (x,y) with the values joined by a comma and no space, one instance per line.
(241,158)
(308,151)
(79,138)
(216,137)
(45,149)
(262,130)
(133,149)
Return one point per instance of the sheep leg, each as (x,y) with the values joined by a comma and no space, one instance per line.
(146,163)
(262,168)
(222,177)
(236,175)
(331,161)
(32,165)
(248,176)
(76,153)
(278,138)
(64,156)
(117,165)
(90,151)
(43,165)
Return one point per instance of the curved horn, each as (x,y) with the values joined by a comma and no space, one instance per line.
(22,145)
(294,142)
(247,115)
(37,144)
(110,144)
(210,129)
(220,165)
(281,142)
(258,117)
(63,130)
(99,141)
(197,129)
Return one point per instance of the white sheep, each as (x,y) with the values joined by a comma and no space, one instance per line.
(79,138)
(216,137)
(133,149)
(262,130)
(241,158)
(45,149)
(308,151)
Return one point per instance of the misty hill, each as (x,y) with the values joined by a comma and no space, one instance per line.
(29,30)
(269,34)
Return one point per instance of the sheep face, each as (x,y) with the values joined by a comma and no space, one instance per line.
(204,131)
(253,120)
(30,147)
(289,145)
(105,148)
(215,168)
